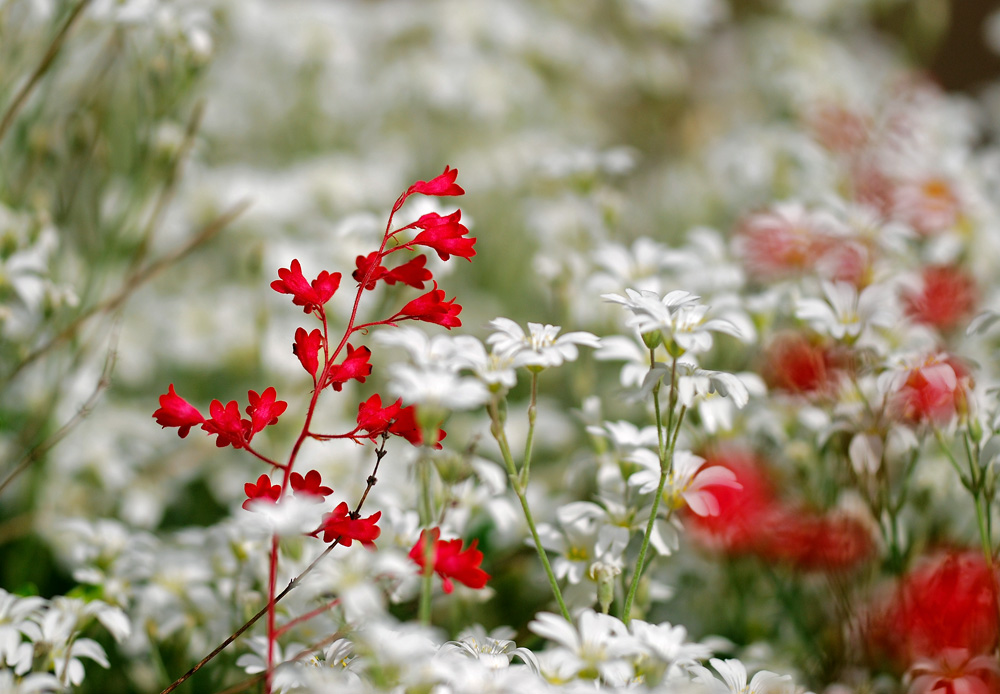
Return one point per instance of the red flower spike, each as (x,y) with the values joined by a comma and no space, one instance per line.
(264,409)
(226,422)
(355,366)
(364,263)
(432,308)
(451,561)
(175,411)
(311,296)
(407,427)
(412,273)
(311,486)
(374,418)
(440,185)
(263,490)
(445,235)
(340,524)
(306,348)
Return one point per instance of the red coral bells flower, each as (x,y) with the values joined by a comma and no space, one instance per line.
(263,490)
(310,296)
(175,411)
(948,603)
(450,560)
(366,263)
(343,526)
(355,365)
(306,348)
(264,409)
(311,486)
(407,427)
(375,419)
(440,185)
(431,308)
(226,422)
(445,235)
(796,364)
(948,296)
(413,273)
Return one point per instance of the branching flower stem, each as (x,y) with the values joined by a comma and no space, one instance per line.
(500,435)
(667,440)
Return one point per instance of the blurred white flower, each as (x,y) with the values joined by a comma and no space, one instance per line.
(598,645)
(539,349)
(734,676)
(845,314)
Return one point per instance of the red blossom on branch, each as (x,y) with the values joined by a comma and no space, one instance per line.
(375,419)
(306,348)
(264,409)
(440,185)
(355,365)
(450,560)
(175,411)
(406,426)
(228,425)
(413,273)
(368,262)
(310,486)
(311,296)
(341,524)
(263,490)
(446,235)
(432,308)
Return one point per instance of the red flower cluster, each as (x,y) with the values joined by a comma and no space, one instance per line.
(752,521)
(946,298)
(450,560)
(343,526)
(226,422)
(948,603)
(794,363)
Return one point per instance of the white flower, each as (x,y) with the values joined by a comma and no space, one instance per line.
(686,482)
(492,650)
(734,674)
(678,317)
(584,537)
(541,348)
(599,645)
(668,646)
(495,370)
(845,313)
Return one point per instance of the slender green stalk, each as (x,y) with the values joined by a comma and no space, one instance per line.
(426,512)
(529,442)
(500,435)
(426,587)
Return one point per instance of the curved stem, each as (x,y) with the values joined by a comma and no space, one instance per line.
(529,441)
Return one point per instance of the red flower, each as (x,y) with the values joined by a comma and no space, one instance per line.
(306,348)
(310,296)
(432,308)
(309,486)
(933,391)
(413,273)
(948,603)
(407,427)
(811,542)
(374,418)
(355,365)
(445,235)
(226,422)
(947,297)
(340,525)
(451,561)
(263,490)
(440,185)
(796,364)
(366,262)
(264,409)
(175,411)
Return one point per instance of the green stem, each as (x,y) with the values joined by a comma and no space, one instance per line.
(426,587)
(529,442)
(500,435)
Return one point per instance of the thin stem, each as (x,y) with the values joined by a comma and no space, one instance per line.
(306,617)
(529,441)
(426,587)
(271,630)
(50,55)
(951,458)
(500,435)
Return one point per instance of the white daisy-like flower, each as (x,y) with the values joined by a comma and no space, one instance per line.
(440,388)
(734,676)
(494,650)
(686,483)
(678,317)
(666,648)
(598,645)
(496,370)
(541,348)
(846,314)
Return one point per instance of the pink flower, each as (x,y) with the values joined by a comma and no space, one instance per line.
(175,411)
(450,560)
(310,296)
(441,185)
(264,409)
(341,525)
(263,490)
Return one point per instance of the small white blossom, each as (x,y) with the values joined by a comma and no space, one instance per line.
(734,676)
(845,314)
(539,349)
